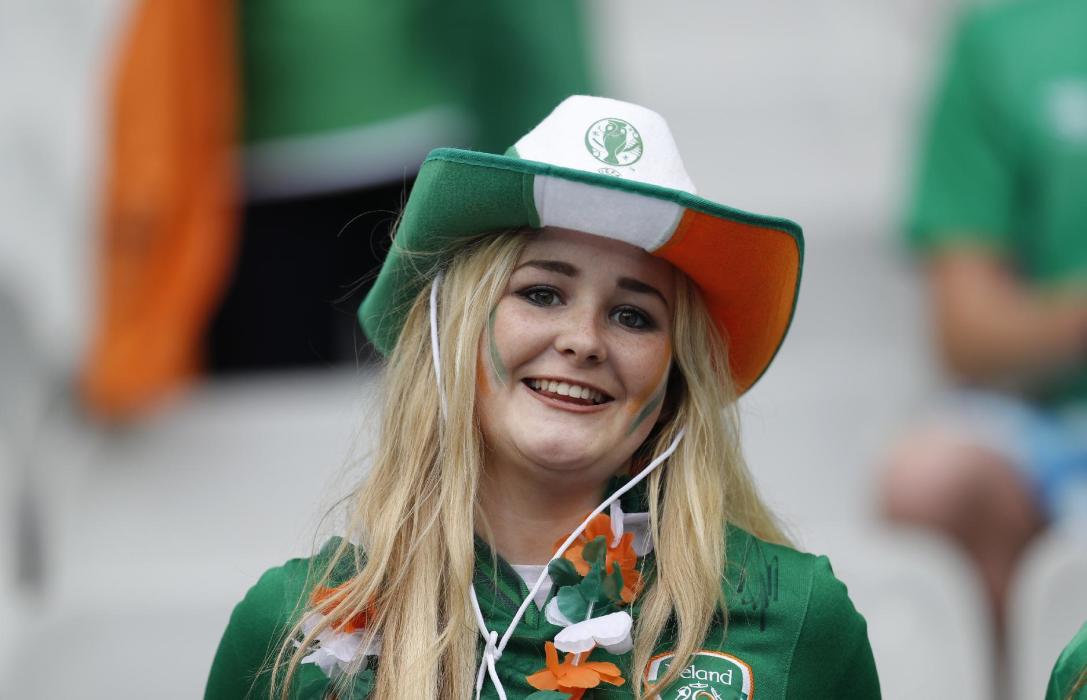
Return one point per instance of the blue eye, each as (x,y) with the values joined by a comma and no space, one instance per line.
(541,296)
(630,317)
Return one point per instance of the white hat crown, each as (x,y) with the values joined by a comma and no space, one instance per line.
(610,137)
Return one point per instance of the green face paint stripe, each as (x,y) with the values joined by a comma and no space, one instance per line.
(648,410)
(496,360)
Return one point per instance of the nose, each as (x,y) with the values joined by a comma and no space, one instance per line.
(581,338)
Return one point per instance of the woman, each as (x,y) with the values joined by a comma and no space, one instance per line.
(555,323)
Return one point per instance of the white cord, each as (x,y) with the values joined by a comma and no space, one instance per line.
(492,653)
(434,353)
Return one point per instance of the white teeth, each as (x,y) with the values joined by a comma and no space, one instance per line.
(575,391)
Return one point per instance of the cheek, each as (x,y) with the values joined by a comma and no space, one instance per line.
(507,341)
(652,370)
(648,398)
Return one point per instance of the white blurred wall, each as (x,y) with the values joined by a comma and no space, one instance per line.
(53,60)
(799,109)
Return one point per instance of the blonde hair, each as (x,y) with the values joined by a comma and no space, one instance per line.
(413,513)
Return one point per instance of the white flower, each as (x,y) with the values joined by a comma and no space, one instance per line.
(609,631)
(635,523)
(335,650)
(554,615)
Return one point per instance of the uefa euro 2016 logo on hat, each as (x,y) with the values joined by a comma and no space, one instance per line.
(614,141)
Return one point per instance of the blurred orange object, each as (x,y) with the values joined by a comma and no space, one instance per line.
(169,233)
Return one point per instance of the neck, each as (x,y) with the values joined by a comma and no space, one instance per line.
(527,513)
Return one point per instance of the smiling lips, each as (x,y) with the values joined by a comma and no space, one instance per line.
(578,394)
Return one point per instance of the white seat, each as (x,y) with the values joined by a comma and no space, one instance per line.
(156,532)
(161,651)
(926,620)
(1047,606)
(10,602)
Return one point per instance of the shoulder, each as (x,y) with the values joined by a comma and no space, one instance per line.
(259,624)
(751,557)
(991,21)
(280,593)
(805,582)
(827,639)
(1071,664)
(1019,26)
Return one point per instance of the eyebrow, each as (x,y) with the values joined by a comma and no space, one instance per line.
(632,285)
(628,283)
(552,266)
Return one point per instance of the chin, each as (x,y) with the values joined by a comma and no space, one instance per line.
(561,452)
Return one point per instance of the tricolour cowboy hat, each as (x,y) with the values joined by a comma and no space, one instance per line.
(611,169)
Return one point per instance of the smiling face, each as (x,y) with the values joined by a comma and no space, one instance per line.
(576,357)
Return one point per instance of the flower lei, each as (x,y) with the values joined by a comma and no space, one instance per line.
(597,579)
(343,639)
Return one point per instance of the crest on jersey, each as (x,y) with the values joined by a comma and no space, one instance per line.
(710,675)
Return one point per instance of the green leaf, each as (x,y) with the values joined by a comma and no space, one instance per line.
(613,584)
(572,604)
(563,572)
(592,586)
(549,695)
(596,550)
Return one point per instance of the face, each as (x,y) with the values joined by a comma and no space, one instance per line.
(574,362)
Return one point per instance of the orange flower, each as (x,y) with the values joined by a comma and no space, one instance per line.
(574,679)
(328,601)
(622,554)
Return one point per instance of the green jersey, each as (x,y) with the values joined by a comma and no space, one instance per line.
(1004,165)
(792,632)
(1071,667)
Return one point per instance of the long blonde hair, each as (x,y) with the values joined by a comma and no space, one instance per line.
(415,514)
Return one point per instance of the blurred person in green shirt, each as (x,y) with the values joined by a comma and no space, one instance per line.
(1069,678)
(999,220)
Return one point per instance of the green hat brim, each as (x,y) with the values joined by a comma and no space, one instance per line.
(459,194)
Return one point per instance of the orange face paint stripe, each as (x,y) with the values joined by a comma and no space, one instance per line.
(657,397)
(483,384)
(647,411)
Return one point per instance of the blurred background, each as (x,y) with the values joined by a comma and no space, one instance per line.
(193,197)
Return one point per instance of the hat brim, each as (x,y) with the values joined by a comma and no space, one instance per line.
(747,266)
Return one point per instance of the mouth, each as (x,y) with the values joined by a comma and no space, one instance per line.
(567,391)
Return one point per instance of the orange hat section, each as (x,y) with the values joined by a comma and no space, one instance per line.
(748,277)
